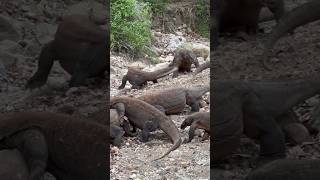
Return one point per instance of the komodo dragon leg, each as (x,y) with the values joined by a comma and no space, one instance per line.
(148,127)
(205,136)
(193,103)
(272,142)
(192,129)
(116,134)
(126,127)
(32,144)
(120,107)
(124,81)
(45,64)
(295,131)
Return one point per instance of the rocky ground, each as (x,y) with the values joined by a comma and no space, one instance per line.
(133,159)
(33,24)
(295,56)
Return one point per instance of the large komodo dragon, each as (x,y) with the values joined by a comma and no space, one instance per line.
(80,46)
(238,110)
(13,165)
(174,100)
(287,169)
(147,118)
(240,15)
(139,78)
(299,16)
(269,102)
(197,120)
(70,149)
(183,59)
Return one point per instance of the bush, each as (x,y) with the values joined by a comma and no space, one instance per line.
(130,25)
(202,14)
(157,6)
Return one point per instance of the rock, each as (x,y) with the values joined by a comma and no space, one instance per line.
(7,29)
(175,42)
(8,60)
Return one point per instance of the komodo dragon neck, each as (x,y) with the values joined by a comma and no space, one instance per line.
(301,15)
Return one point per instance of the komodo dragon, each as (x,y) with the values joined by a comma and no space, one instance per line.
(299,16)
(275,98)
(183,59)
(80,46)
(199,120)
(240,15)
(292,169)
(202,67)
(139,78)
(174,100)
(68,148)
(238,110)
(13,165)
(147,118)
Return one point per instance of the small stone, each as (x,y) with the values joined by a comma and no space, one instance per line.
(133,176)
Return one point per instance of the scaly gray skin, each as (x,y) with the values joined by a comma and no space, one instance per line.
(287,169)
(202,67)
(69,141)
(299,16)
(174,100)
(147,118)
(240,15)
(138,78)
(183,59)
(13,165)
(199,120)
(237,110)
(80,46)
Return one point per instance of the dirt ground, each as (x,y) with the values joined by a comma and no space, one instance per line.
(295,56)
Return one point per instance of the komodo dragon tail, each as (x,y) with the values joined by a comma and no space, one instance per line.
(174,147)
(202,67)
(172,131)
(164,71)
(301,15)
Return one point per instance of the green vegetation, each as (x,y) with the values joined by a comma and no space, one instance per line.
(130,25)
(157,6)
(202,13)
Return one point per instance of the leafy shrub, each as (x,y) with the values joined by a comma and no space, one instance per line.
(130,25)
(202,14)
